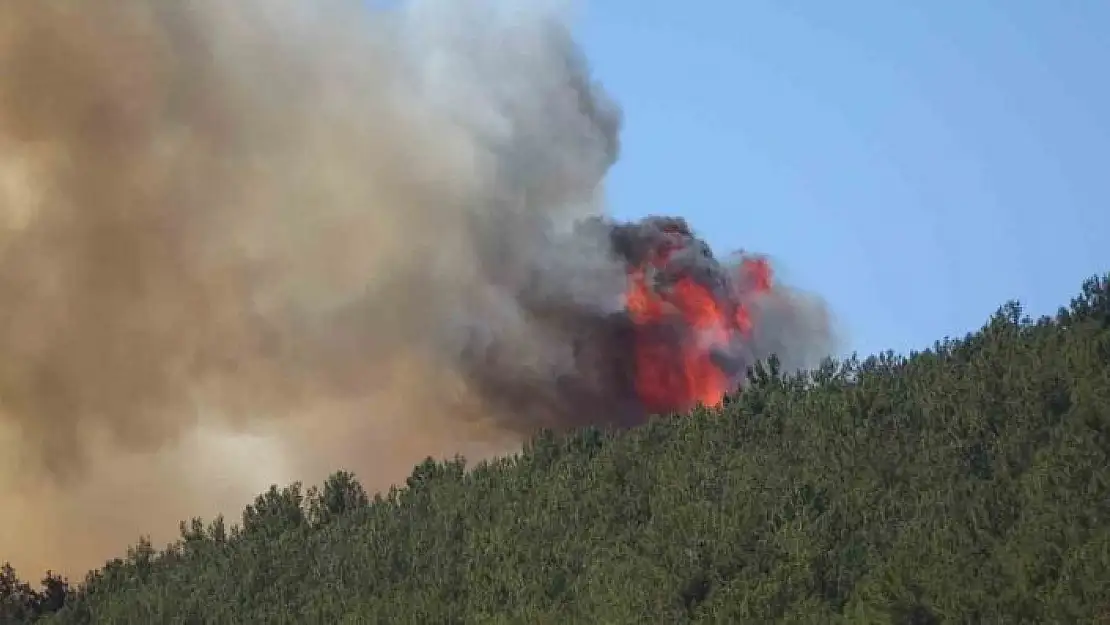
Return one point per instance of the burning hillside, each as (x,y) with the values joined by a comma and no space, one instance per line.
(365,236)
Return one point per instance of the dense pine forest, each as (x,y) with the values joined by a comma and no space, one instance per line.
(968,483)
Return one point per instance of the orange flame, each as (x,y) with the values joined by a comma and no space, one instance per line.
(675,370)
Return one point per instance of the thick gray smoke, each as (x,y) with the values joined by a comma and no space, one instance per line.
(256,241)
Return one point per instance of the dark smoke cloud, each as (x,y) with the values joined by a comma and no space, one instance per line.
(256,241)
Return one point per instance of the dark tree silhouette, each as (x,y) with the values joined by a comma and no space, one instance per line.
(966,483)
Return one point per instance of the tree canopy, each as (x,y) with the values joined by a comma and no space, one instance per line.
(967,483)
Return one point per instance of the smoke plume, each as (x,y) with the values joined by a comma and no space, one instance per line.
(256,241)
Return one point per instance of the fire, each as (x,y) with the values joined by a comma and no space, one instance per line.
(685,327)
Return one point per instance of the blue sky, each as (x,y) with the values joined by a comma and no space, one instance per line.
(916,163)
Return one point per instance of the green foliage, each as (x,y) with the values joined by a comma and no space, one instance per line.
(968,483)
(342,494)
(19,603)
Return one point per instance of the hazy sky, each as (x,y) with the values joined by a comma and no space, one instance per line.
(917,163)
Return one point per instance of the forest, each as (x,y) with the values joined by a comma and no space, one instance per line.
(966,483)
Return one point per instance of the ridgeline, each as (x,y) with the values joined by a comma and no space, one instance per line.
(969,483)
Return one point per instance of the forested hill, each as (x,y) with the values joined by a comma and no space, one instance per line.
(969,483)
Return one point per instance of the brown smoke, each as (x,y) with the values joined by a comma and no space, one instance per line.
(264,214)
(257,241)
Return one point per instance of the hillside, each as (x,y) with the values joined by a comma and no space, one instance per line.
(966,483)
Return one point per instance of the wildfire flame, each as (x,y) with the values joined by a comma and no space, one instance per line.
(686,326)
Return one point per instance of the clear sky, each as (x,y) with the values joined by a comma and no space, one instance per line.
(916,163)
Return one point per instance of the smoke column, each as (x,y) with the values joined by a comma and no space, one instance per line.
(257,241)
